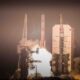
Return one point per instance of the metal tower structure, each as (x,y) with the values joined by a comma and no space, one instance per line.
(23,42)
(61,45)
(61,48)
(21,49)
(25,51)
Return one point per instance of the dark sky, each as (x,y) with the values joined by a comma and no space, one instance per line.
(12,21)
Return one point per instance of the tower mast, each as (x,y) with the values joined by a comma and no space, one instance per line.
(24,36)
(61,45)
(42,41)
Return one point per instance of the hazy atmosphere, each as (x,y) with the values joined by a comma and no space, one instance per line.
(12,21)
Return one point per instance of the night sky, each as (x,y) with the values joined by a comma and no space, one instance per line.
(12,21)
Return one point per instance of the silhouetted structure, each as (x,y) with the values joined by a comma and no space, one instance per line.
(61,48)
(24,64)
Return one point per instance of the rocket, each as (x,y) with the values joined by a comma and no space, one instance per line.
(42,41)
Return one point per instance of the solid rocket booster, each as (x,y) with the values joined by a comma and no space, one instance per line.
(42,41)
